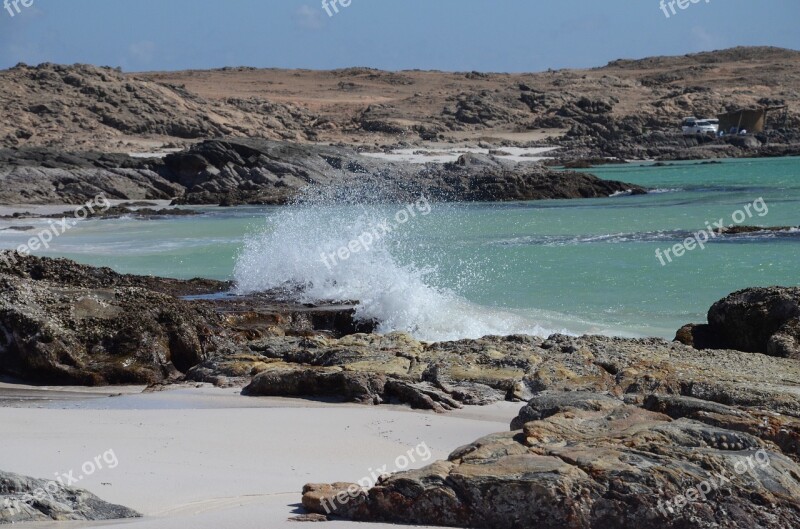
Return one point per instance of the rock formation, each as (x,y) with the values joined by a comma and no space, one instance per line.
(590,461)
(24,499)
(763,320)
(616,433)
(628,108)
(254,171)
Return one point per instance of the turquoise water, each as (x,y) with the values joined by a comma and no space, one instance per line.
(466,270)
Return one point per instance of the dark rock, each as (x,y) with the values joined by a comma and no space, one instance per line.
(699,337)
(759,320)
(24,499)
(743,229)
(95,336)
(65,323)
(262,172)
(547,404)
(743,141)
(142,213)
(318,381)
(482,109)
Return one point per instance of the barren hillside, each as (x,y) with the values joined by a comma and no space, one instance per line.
(85,107)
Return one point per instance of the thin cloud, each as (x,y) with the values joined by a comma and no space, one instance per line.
(142,52)
(705,40)
(308,18)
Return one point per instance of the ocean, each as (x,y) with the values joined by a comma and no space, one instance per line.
(445,271)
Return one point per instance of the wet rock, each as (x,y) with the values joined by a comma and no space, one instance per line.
(743,229)
(95,336)
(65,323)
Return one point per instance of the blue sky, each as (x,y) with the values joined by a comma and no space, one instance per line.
(455,35)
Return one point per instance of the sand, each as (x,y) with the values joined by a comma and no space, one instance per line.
(210,458)
(67,210)
(449,155)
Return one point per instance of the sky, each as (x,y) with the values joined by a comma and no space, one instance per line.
(450,35)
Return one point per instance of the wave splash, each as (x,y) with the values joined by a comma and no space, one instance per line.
(386,281)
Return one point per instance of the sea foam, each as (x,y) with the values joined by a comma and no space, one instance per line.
(386,281)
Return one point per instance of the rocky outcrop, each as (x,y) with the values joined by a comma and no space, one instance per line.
(69,274)
(264,172)
(764,320)
(254,171)
(616,433)
(484,108)
(24,499)
(588,462)
(374,369)
(65,323)
(76,323)
(56,333)
(741,229)
(45,176)
(106,108)
(365,368)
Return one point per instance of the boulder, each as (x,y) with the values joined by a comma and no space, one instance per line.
(95,336)
(759,320)
(24,499)
(745,141)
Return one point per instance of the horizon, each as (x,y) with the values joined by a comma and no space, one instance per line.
(445,36)
(356,66)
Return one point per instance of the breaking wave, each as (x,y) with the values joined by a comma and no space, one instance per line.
(298,249)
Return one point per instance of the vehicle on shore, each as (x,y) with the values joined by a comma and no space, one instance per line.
(699,127)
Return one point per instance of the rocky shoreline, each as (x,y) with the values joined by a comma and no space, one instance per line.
(699,433)
(613,428)
(263,172)
(223,144)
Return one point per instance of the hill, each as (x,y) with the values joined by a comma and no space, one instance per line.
(83,107)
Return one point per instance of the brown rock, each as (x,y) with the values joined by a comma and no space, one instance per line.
(597,467)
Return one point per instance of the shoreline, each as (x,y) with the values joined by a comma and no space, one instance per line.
(254,486)
(193,454)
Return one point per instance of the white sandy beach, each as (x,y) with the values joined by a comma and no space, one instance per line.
(65,209)
(452,154)
(210,458)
